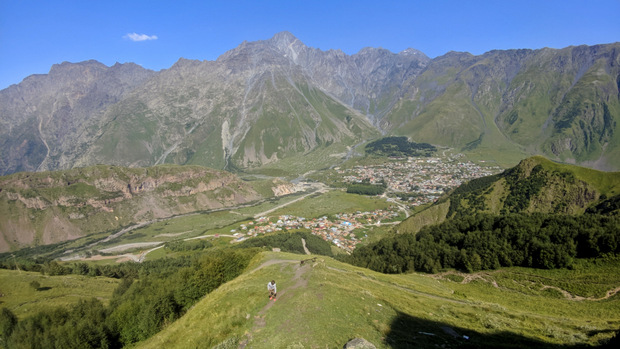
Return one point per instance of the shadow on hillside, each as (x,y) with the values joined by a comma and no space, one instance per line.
(410,332)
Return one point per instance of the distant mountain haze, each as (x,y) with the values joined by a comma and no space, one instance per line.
(266,101)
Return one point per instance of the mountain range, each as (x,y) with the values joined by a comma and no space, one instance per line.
(276,99)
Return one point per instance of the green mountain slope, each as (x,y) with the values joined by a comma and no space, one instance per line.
(535,185)
(224,114)
(560,103)
(278,100)
(327,303)
(48,207)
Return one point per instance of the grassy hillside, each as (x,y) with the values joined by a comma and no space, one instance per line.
(535,185)
(505,104)
(19,296)
(327,303)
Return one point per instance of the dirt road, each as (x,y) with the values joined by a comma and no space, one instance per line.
(320,188)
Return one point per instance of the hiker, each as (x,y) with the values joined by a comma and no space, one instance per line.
(271,287)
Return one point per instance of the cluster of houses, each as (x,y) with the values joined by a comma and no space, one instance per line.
(416,180)
(425,178)
(339,229)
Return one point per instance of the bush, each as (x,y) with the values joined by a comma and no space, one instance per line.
(8,321)
(36,285)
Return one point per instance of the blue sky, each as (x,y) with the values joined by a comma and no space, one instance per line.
(36,34)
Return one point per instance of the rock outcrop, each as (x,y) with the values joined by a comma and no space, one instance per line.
(359,343)
(48,207)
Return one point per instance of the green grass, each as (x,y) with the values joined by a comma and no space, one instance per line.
(607,183)
(429,214)
(587,278)
(291,167)
(23,300)
(332,202)
(329,303)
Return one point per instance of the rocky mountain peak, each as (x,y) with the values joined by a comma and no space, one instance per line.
(283,38)
(184,62)
(81,71)
(288,45)
(413,52)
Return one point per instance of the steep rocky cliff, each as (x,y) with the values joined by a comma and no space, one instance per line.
(44,118)
(47,207)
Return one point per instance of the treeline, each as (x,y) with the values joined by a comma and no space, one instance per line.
(399,147)
(485,241)
(473,192)
(138,309)
(291,243)
(117,271)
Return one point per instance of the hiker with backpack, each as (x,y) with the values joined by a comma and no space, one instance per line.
(271,287)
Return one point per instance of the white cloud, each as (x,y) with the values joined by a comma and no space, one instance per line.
(140,37)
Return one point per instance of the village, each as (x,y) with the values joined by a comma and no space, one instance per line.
(418,181)
(342,230)
(415,181)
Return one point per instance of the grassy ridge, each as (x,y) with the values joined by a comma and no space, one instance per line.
(607,183)
(328,303)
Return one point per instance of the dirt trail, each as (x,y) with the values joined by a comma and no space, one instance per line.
(303,242)
(487,277)
(283,295)
(124,247)
(272,262)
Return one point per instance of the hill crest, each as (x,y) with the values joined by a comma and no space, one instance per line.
(536,184)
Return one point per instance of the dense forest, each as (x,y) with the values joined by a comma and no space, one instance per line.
(485,241)
(366,189)
(399,147)
(606,206)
